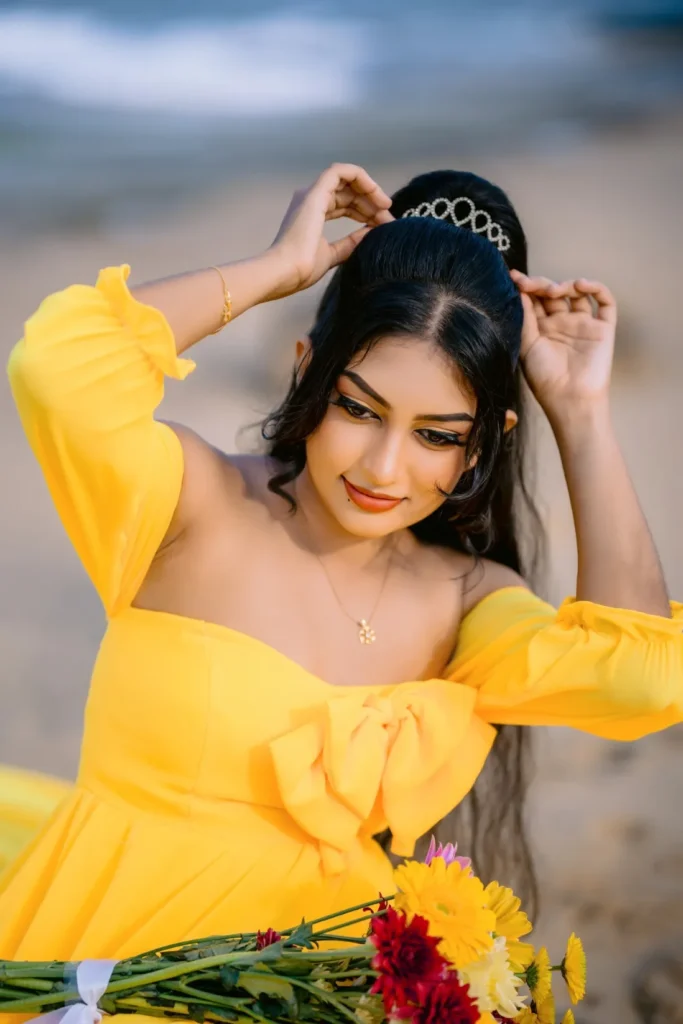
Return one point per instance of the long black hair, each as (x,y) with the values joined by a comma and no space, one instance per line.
(428,278)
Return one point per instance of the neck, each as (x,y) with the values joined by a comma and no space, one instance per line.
(322,534)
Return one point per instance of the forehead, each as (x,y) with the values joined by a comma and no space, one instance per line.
(412,373)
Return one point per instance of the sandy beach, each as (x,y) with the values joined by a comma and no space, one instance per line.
(604,816)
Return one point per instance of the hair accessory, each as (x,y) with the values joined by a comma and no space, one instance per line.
(227,303)
(478,220)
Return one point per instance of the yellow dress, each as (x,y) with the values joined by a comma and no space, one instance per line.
(222,787)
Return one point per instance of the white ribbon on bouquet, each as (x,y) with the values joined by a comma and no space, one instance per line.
(92,978)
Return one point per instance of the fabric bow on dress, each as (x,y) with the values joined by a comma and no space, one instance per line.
(367,761)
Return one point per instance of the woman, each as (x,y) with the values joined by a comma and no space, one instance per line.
(309,648)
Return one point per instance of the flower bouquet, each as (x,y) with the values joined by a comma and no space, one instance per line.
(444,949)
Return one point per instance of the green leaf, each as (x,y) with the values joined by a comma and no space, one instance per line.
(291,965)
(261,980)
(301,936)
(272,952)
(221,948)
(230,977)
(272,1007)
(224,1014)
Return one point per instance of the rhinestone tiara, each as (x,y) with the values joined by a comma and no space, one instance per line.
(478,221)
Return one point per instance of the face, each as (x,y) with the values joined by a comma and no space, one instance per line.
(393,438)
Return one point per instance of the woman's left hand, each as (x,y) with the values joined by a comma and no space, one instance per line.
(567,341)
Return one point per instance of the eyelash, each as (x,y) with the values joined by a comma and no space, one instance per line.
(434,438)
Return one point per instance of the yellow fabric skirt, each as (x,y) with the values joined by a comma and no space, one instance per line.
(59,840)
(27,799)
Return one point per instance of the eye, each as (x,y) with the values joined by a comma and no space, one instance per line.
(355,409)
(441,439)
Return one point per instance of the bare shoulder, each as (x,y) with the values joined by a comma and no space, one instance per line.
(215,483)
(488,577)
(478,577)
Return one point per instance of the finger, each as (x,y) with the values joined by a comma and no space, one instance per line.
(340,197)
(358,179)
(370,211)
(600,293)
(582,305)
(556,306)
(557,297)
(535,284)
(363,215)
(343,247)
(529,332)
(345,199)
(536,305)
(352,213)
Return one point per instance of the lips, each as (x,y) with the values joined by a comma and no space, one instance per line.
(369,501)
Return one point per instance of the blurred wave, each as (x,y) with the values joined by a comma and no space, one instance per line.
(110,109)
(284,63)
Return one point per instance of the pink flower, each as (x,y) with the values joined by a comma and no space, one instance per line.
(447,853)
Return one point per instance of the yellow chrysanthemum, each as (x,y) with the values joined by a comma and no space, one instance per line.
(527,1016)
(539,976)
(492,983)
(541,1014)
(545,1010)
(511,922)
(574,969)
(453,902)
(568,1018)
(521,954)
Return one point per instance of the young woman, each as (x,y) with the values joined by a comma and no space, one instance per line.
(315,647)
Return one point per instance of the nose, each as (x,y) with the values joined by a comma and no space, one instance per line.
(383,460)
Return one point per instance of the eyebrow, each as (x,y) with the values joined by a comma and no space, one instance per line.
(446,417)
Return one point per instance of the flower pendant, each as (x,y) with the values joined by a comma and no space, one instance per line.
(366,633)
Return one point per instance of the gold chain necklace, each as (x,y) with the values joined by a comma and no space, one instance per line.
(366,634)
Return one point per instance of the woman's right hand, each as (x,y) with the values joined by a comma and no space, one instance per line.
(302,251)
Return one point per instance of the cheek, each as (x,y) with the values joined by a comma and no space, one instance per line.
(335,446)
(435,471)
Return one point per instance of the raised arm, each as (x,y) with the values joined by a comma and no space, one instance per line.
(88,376)
(300,255)
(567,351)
(610,661)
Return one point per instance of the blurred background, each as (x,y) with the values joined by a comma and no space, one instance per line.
(170,134)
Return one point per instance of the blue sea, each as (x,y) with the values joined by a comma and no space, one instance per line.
(112,109)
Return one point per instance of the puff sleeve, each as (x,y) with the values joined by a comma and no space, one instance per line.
(607,671)
(87,378)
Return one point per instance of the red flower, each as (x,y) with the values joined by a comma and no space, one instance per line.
(267,938)
(406,957)
(446,1002)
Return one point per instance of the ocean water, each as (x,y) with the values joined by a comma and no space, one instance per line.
(110,109)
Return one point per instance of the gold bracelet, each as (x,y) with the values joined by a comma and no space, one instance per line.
(226,316)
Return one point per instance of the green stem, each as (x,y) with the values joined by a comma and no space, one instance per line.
(176,970)
(360,973)
(367,949)
(12,969)
(342,924)
(207,941)
(347,910)
(35,984)
(327,997)
(353,940)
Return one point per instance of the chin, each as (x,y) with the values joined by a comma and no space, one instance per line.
(367,525)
